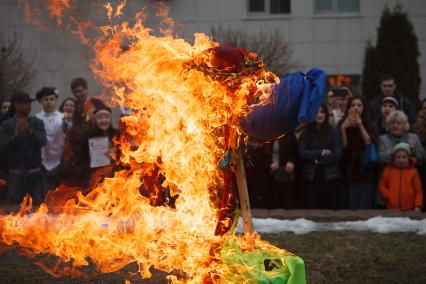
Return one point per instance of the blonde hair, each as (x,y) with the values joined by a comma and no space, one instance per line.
(397,115)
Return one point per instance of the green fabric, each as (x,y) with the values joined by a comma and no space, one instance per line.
(259,266)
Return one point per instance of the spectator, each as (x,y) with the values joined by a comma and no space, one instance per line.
(422,111)
(357,132)
(389,105)
(342,96)
(68,109)
(419,128)
(320,150)
(22,137)
(85,106)
(75,159)
(331,101)
(398,132)
(7,111)
(283,191)
(258,173)
(400,183)
(388,87)
(79,89)
(5,105)
(102,135)
(51,152)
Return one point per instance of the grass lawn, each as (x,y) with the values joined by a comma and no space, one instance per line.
(330,257)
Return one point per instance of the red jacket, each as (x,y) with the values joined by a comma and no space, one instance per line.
(402,188)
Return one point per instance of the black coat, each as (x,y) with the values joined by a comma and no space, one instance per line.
(311,145)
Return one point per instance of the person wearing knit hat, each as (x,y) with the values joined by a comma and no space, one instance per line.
(390,100)
(51,153)
(100,141)
(389,105)
(402,147)
(400,184)
(46,91)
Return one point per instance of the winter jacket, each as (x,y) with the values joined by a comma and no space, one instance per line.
(404,104)
(388,142)
(419,128)
(23,152)
(313,158)
(401,187)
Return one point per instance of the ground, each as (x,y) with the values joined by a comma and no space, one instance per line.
(330,257)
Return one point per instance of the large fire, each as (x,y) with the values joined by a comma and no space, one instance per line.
(175,136)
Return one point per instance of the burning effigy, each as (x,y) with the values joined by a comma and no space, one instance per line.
(193,106)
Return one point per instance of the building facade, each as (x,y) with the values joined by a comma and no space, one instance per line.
(331,34)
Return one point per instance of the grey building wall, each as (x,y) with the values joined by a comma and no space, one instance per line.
(333,42)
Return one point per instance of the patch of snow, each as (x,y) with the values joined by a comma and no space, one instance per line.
(381,225)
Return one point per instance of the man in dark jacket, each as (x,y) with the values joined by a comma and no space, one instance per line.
(22,137)
(388,87)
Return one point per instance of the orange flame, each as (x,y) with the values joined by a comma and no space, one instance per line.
(175,132)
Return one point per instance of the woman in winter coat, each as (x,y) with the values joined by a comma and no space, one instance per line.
(357,133)
(397,124)
(102,164)
(320,151)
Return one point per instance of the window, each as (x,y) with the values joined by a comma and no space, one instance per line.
(268,7)
(336,6)
(349,80)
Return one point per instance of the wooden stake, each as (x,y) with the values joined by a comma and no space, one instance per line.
(243,194)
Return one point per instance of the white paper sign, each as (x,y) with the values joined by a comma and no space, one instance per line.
(98,147)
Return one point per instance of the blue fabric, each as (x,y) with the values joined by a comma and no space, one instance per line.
(295,100)
(314,91)
(369,156)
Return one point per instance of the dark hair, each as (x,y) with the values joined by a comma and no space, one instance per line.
(78,82)
(423,101)
(365,117)
(388,77)
(319,136)
(61,108)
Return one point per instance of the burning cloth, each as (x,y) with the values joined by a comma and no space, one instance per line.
(193,106)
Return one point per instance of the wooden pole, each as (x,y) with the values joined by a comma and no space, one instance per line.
(243,194)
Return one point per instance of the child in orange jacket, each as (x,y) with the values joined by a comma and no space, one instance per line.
(400,183)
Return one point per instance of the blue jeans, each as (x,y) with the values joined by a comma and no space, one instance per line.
(20,185)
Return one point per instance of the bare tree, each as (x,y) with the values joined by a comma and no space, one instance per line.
(272,47)
(16,70)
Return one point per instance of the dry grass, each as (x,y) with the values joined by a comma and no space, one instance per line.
(330,257)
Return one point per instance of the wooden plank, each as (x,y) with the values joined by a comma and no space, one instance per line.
(243,195)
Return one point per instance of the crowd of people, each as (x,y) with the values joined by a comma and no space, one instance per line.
(71,145)
(353,156)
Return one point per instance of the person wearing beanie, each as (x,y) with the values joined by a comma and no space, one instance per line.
(389,88)
(88,155)
(389,105)
(400,184)
(22,137)
(100,143)
(51,153)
